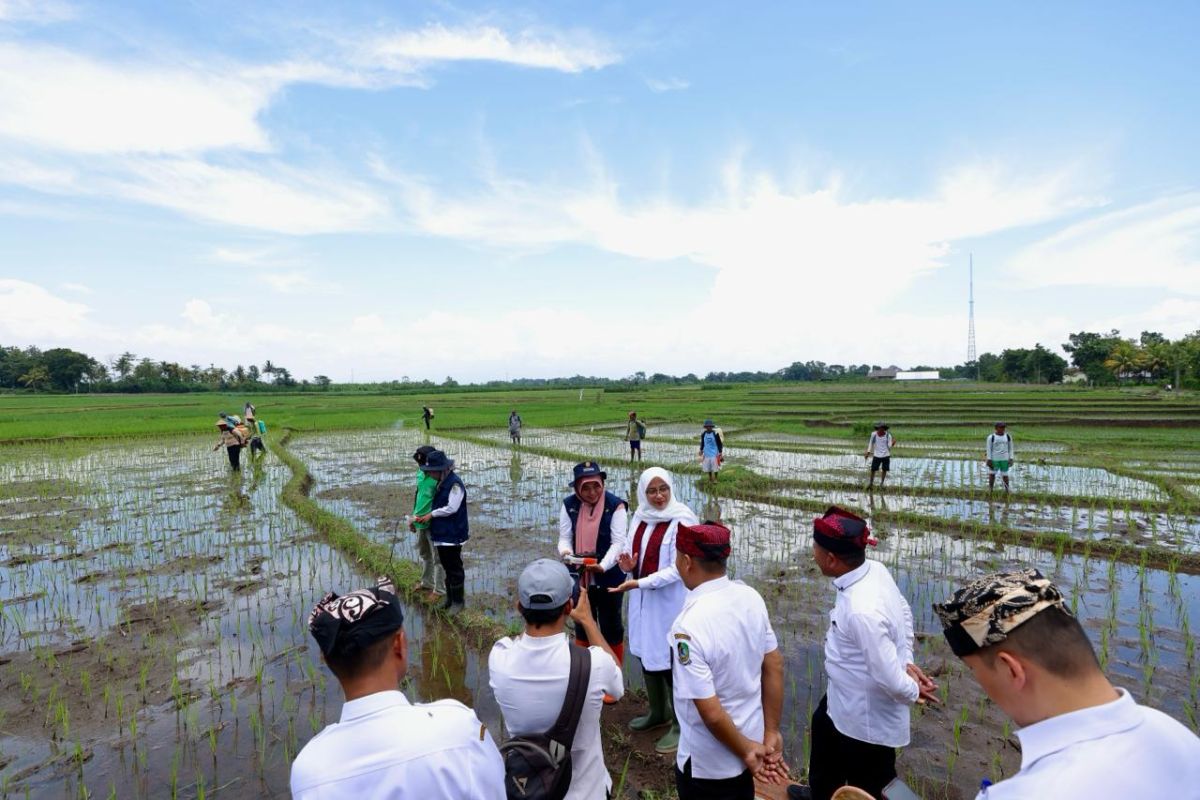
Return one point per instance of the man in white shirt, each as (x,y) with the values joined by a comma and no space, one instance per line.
(529,673)
(384,748)
(872,680)
(727,676)
(999,455)
(879,450)
(1081,738)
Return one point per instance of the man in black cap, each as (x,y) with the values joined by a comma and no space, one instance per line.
(449,528)
(872,680)
(726,676)
(384,747)
(1081,738)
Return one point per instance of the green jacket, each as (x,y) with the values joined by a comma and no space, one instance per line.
(426,486)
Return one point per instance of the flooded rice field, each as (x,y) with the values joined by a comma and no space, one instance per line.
(152,606)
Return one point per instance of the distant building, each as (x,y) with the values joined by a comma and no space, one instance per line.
(887,372)
(1074,375)
(924,375)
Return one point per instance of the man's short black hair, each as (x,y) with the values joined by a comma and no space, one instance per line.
(853,560)
(348,666)
(1054,640)
(539,617)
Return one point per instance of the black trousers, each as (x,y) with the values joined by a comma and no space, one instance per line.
(235,455)
(606,610)
(452,563)
(740,787)
(836,760)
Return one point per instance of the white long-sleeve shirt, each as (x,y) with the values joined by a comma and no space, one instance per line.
(618,543)
(868,646)
(999,448)
(1119,749)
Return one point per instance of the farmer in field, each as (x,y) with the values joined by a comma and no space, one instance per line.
(433,577)
(427,415)
(872,680)
(999,455)
(635,431)
(383,746)
(514,426)
(593,526)
(879,451)
(231,440)
(248,413)
(656,596)
(1080,736)
(712,449)
(529,674)
(448,525)
(727,676)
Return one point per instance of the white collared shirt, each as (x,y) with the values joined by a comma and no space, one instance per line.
(719,640)
(384,748)
(529,677)
(1116,750)
(868,646)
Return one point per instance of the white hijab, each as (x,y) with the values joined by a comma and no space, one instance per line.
(675,511)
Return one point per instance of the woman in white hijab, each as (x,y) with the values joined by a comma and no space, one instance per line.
(656,595)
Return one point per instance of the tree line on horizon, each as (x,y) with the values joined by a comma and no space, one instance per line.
(1104,359)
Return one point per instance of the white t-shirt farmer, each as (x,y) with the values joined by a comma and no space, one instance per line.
(881,446)
(719,640)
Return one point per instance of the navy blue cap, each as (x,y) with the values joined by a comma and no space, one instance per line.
(437,461)
(588,469)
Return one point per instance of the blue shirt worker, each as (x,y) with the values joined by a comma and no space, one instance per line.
(448,526)
(383,747)
(1081,737)
(711,450)
(727,676)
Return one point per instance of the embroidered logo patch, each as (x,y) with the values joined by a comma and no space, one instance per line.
(683,636)
(685,655)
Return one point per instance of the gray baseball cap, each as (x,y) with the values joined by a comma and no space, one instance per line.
(544,584)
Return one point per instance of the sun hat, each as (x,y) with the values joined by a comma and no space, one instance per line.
(545,584)
(437,461)
(708,423)
(345,624)
(422,452)
(879,425)
(1000,425)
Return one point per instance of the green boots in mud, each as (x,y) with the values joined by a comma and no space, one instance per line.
(662,712)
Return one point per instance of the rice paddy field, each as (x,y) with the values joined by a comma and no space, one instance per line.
(152,604)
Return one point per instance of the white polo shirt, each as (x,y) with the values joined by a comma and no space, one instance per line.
(529,676)
(718,642)
(867,647)
(1119,749)
(385,748)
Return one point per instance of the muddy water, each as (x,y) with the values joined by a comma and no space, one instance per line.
(180,592)
(1139,619)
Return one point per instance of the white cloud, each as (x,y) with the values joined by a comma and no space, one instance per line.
(31,315)
(1155,244)
(565,52)
(77,287)
(61,100)
(660,85)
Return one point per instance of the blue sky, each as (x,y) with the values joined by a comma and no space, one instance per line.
(559,188)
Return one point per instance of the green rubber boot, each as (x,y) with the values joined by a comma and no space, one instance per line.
(669,742)
(656,694)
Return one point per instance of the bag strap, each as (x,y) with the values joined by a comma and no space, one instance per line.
(563,731)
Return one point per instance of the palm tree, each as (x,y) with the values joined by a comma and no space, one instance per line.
(123,364)
(269,369)
(1124,360)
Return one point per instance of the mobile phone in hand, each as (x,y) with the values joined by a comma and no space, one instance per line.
(898,790)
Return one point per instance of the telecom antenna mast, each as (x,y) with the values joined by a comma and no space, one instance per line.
(971,355)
